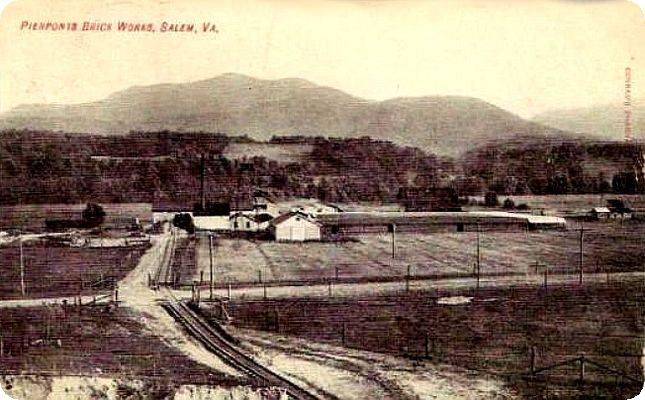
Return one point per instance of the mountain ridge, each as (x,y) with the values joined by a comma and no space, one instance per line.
(237,104)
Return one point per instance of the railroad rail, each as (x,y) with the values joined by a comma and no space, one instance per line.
(163,274)
(217,344)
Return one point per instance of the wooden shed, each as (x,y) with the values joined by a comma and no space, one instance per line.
(295,227)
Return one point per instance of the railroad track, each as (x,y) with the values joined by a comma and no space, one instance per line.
(163,274)
(216,343)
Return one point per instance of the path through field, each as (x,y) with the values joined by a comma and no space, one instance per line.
(341,373)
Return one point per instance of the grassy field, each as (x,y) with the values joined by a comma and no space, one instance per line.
(62,271)
(608,247)
(93,341)
(278,152)
(492,333)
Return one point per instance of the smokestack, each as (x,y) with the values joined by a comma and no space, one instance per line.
(201,191)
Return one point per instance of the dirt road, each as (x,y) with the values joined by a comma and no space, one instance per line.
(135,294)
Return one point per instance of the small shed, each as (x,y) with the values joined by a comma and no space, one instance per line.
(295,227)
(600,212)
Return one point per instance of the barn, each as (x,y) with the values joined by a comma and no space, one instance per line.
(295,227)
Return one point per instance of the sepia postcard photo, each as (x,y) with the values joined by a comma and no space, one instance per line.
(322,199)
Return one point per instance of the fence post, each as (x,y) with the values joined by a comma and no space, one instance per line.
(532,360)
(427,345)
(407,280)
(343,334)
(582,367)
(329,287)
(277,320)
(264,286)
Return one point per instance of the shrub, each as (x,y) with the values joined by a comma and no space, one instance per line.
(490,199)
(93,215)
(184,221)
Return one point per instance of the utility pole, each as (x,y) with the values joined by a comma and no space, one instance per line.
(581,254)
(210,253)
(22,268)
(201,178)
(393,241)
(478,257)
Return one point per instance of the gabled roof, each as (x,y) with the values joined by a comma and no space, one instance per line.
(245,215)
(281,218)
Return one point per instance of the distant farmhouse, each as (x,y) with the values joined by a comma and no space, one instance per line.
(615,209)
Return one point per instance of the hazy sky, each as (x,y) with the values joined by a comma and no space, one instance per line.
(526,57)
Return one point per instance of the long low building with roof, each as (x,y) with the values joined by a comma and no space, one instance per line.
(352,223)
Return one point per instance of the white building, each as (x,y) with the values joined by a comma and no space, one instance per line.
(241,221)
(317,209)
(295,227)
(211,222)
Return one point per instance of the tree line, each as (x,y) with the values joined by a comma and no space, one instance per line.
(165,168)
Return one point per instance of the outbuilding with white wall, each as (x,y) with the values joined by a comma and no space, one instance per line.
(295,227)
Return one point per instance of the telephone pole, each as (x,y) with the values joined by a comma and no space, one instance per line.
(478,256)
(393,241)
(210,253)
(22,268)
(580,270)
(202,196)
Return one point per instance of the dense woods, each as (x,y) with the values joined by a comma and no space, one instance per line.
(165,167)
(567,167)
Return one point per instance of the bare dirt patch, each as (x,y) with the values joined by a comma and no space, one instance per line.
(86,387)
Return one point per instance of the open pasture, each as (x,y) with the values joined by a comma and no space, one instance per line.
(276,152)
(607,247)
(92,340)
(493,332)
(51,271)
